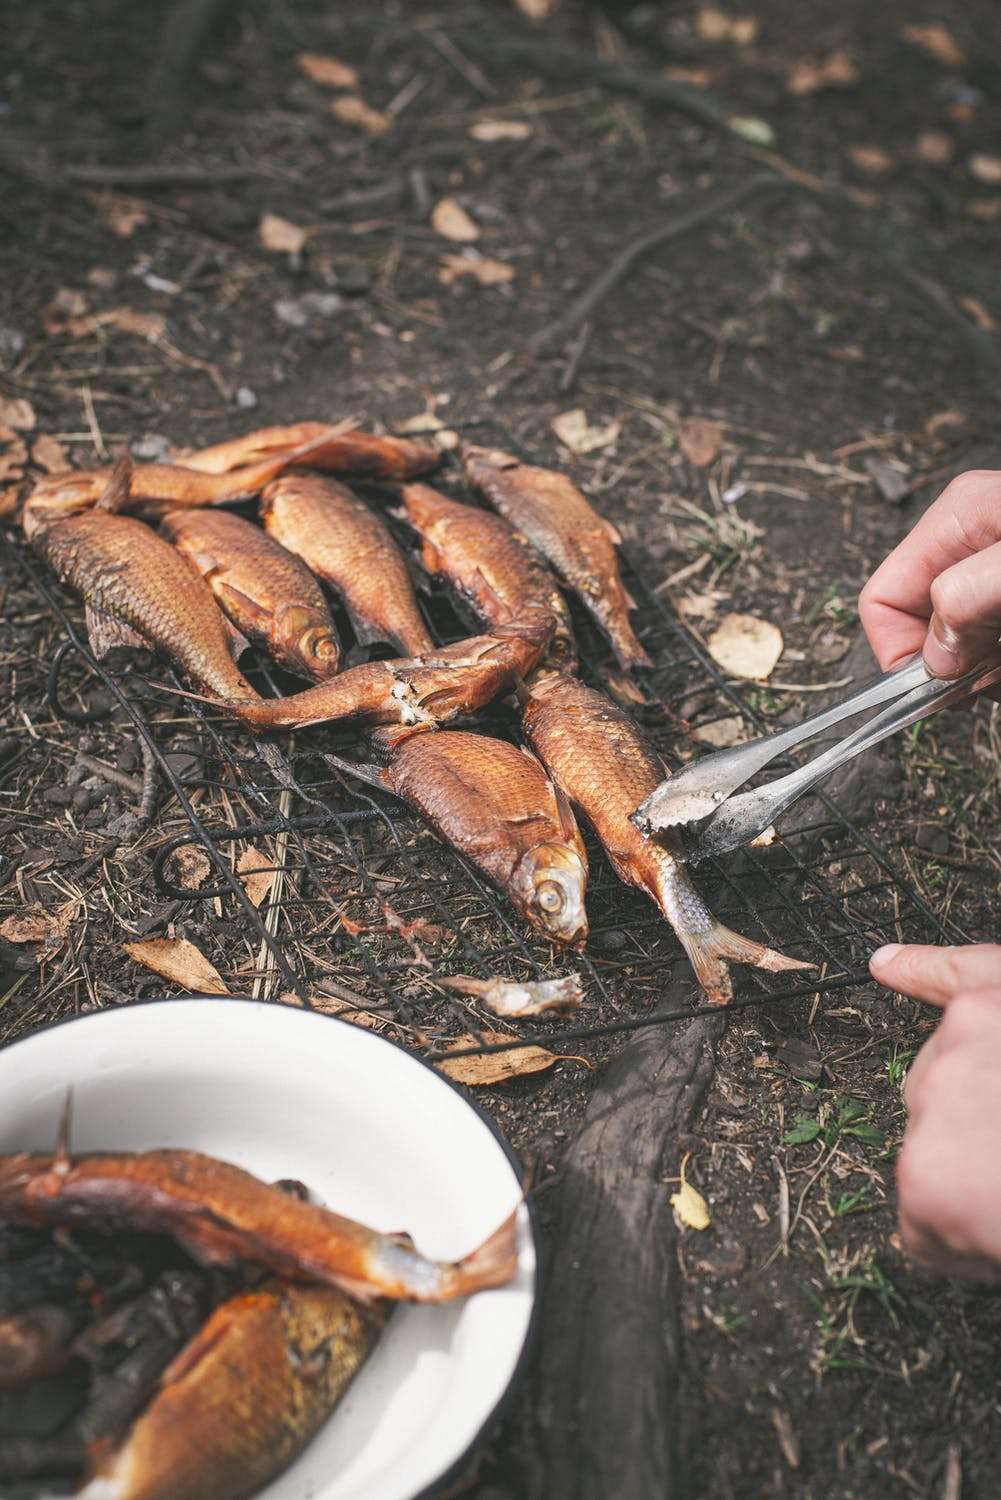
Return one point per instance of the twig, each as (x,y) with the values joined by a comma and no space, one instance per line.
(468,70)
(569,377)
(583,307)
(981,344)
(154,175)
(150,784)
(111,773)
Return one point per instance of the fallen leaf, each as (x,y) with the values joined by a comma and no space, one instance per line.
(691,1211)
(938,41)
(49,454)
(494,1067)
(329,71)
(36,925)
(252,868)
(352,110)
(452,222)
(871,159)
(483,268)
(535,10)
(837,70)
(426,422)
(188,867)
(149,326)
(575,432)
(745,646)
(986,168)
(123,216)
(67,303)
(281,235)
(713,25)
(500,130)
(935,147)
(700,606)
(18,413)
(179,961)
(893,480)
(721,733)
(699,439)
(987,209)
(979,313)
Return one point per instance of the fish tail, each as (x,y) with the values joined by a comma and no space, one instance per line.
(258,714)
(711,951)
(493,1263)
(744,950)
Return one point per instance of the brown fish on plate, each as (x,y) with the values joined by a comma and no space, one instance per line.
(494,569)
(558,521)
(269,594)
(601,761)
(349,547)
(345,451)
(419,692)
(243,1398)
(221,1215)
(140,592)
(494,803)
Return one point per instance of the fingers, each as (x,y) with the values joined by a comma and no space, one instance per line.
(966,624)
(936,974)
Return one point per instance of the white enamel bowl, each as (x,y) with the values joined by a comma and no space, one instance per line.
(375,1134)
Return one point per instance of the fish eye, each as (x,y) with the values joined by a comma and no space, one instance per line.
(550,896)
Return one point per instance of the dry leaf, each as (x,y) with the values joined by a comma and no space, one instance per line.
(494,1067)
(535,10)
(329,71)
(700,606)
(712,25)
(938,41)
(871,159)
(699,439)
(935,147)
(453,223)
(979,313)
(329,1005)
(721,733)
(575,432)
(252,868)
(515,999)
(352,110)
(36,925)
(691,1211)
(49,454)
(434,428)
(986,168)
(281,235)
(150,326)
(16,412)
(123,216)
(179,961)
(745,646)
(189,867)
(500,130)
(483,268)
(987,209)
(836,71)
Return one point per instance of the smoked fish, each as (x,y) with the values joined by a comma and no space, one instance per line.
(488,564)
(598,757)
(243,1398)
(558,521)
(269,594)
(344,451)
(221,1214)
(351,548)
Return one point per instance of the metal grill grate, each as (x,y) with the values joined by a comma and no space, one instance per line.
(828,893)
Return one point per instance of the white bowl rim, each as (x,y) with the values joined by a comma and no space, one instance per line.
(503,1403)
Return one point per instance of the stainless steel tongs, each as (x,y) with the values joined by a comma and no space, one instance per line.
(703,790)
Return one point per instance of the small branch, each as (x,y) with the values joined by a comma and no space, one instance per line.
(152,175)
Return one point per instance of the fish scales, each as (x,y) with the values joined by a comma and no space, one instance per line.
(344,452)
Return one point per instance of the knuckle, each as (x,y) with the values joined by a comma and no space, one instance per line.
(949,597)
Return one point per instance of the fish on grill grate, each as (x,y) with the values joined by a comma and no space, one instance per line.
(558,521)
(344,450)
(269,594)
(351,548)
(598,757)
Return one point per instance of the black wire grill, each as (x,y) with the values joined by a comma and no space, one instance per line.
(370,906)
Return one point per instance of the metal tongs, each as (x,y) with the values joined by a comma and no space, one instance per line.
(703,790)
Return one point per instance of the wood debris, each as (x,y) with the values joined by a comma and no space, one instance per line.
(810,76)
(17,413)
(33,924)
(938,42)
(181,962)
(351,109)
(482,268)
(872,160)
(714,25)
(281,235)
(699,439)
(576,433)
(329,71)
(452,222)
(721,733)
(516,999)
(49,454)
(188,867)
(122,215)
(500,130)
(935,147)
(985,168)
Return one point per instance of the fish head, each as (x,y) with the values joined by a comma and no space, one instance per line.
(549,885)
(307,638)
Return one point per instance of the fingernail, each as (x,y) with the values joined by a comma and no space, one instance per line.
(941,651)
(884,956)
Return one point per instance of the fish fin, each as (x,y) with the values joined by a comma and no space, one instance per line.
(315,445)
(708,954)
(363,770)
(568,823)
(493,1263)
(430,557)
(105,632)
(241,603)
(62,1159)
(237,641)
(115,495)
(744,950)
(614,535)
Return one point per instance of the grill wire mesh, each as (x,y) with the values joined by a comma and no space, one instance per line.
(827,893)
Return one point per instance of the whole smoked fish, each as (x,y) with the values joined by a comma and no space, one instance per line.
(600,760)
(344,451)
(243,1398)
(564,527)
(269,594)
(349,547)
(419,692)
(221,1214)
(496,571)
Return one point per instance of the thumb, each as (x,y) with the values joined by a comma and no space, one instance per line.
(936,974)
(966,623)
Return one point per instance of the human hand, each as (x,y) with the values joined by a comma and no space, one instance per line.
(940,590)
(949,1169)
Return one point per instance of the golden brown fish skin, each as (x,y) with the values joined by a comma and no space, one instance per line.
(221,1214)
(494,803)
(269,594)
(347,451)
(422,692)
(243,1398)
(602,762)
(558,521)
(494,569)
(123,568)
(351,548)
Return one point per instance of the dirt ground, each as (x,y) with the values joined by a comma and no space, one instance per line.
(843,334)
